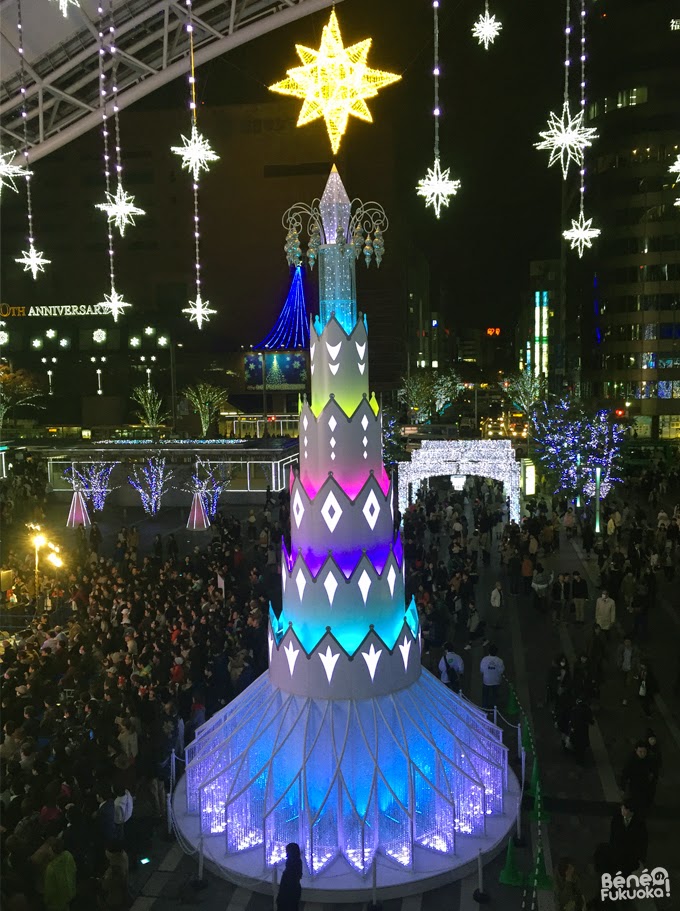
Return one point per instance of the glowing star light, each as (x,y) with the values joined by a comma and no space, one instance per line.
(32,260)
(581,234)
(566,138)
(199,311)
(195,153)
(120,208)
(436,187)
(8,171)
(334,82)
(114,304)
(486,29)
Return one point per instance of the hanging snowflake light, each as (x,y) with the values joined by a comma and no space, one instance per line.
(334,82)
(566,138)
(199,311)
(195,152)
(120,208)
(114,304)
(32,260)
(9,171)
(581,234)
(437,186)
(487,28)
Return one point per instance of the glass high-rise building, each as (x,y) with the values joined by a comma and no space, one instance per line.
(631,336)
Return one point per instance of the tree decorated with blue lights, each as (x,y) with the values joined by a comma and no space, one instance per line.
(151,481)
(572,443)
(93,479)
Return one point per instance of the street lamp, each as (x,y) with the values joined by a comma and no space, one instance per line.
(39,541)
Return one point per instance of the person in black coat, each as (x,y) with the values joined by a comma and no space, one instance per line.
(628,839)
(637,777)
(290,890)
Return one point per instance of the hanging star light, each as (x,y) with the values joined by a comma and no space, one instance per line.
(32,260)
(487,28)
(8,171)
(114,304)
(120,208)
(64,5)
(581,234)
(436,187)
(199,311)
(566,138)
(195,153)
(334,82)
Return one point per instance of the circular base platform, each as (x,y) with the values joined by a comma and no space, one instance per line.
(338,882)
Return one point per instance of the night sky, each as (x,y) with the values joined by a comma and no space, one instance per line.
(493,105)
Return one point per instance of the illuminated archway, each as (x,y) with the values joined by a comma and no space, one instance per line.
(484,458)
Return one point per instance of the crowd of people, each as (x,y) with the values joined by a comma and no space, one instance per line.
(130,652)
(127,655)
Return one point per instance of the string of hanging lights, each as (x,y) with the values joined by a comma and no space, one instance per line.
(582,234)
(437,186)
(32,260)
(113,302)
(566,136)
(196,155)
(120,206)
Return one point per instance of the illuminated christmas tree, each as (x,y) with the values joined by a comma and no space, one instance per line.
(345,746)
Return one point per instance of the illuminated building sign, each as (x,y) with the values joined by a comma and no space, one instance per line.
(54,310)
(491,330)
(541,317)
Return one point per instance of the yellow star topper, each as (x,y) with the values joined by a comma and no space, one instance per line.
(334,82)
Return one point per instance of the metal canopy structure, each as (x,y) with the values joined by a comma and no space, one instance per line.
(152,48)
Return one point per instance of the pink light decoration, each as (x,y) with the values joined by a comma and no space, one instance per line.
(198,519)
(77,514)
(352,487)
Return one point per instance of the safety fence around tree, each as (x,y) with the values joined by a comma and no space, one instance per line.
(537,879)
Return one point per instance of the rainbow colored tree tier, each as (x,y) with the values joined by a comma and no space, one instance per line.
(345,745)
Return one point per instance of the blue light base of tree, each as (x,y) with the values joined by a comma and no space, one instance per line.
(415,781)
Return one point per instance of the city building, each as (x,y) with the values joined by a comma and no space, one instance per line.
(541,334)
(631,313)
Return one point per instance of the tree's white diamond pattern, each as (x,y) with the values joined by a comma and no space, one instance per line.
(371,508)
(361,350)
(332,442)
(301,583)
(291,655)
(365,455)
(330,583)
(364,423)
(305,422)
(361,367)
(365,441)
(333,349)
(271,646)
(298,508)
(334,368)
(332,423)
(312,349)
(364,585)
(305,441)
(405,648)
(333,456)
(371,658)
(391,579)
(329,660)
(331,512)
